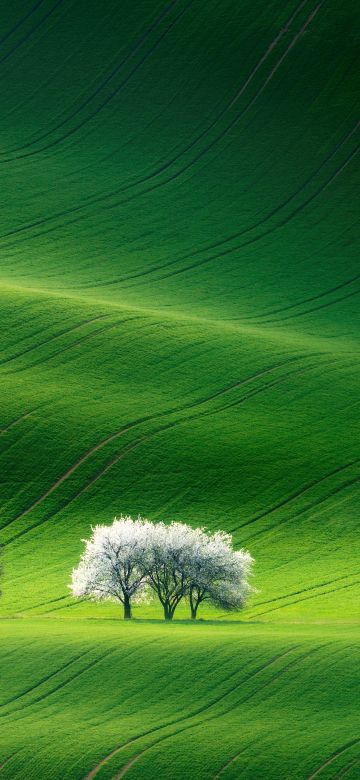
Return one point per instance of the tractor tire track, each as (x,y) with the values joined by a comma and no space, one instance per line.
(147,437)
(298,493)
(41,682)
(333,758)
(315,308)
(137,422)
(346,770)
(332,493)
(257,224)
(238,94)
(110,97)
(16,422)
(108,78)
(34,29)
(52,338)
(21,21)
(59,687)
(259,237)
(87,337)
(7,761)
(229,763)
(305,590)
(107,196)
(42,604)
(132,761)
(305,300)
(305,510)
(306,598)
(223,134)
(199,711)
(41,86)
(133,446)
(229,105)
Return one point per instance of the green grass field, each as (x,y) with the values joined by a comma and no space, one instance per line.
(179,282)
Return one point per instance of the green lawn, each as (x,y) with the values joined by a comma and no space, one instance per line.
(98,698)
(179,315)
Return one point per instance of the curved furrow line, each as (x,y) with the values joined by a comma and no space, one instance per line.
(135,423)
(233,100)
(59,687)
(109,98)
(265,233)
(347,769)
(143,131)
(332,493)
(137,443)
(48,677)
(255,239)
(333,758)
(315,308)
(242,232)
(264,57)
(41,682)
(28,334)
(86,337)
(62,606)
(101,198)
(21,21)
(304,300)
(224,111)
(34,29)
(305,510)
(299,493)
(42,604)
(122,747)
(229,763)
(199,711)
(131,447)
(132,761)
(225,132)
(41,233)
(265,387)
(52,338)
(281,671)
(306,590)
(15,422)
(103,84)
(306,598)
(7,761)
(42,85)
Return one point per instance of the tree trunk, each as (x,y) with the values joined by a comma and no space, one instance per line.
(127,608)
(193,605)
(167,612)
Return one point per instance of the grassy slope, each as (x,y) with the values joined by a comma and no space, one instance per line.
(179,310)
(171,718)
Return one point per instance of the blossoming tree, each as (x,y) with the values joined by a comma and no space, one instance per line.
(132,558)
(217,573)
(111,565)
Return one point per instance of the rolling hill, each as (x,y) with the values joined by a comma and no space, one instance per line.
(179,284)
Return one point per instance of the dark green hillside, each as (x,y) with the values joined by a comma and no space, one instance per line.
(179,283)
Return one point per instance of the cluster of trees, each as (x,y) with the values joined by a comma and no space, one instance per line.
(131,560)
